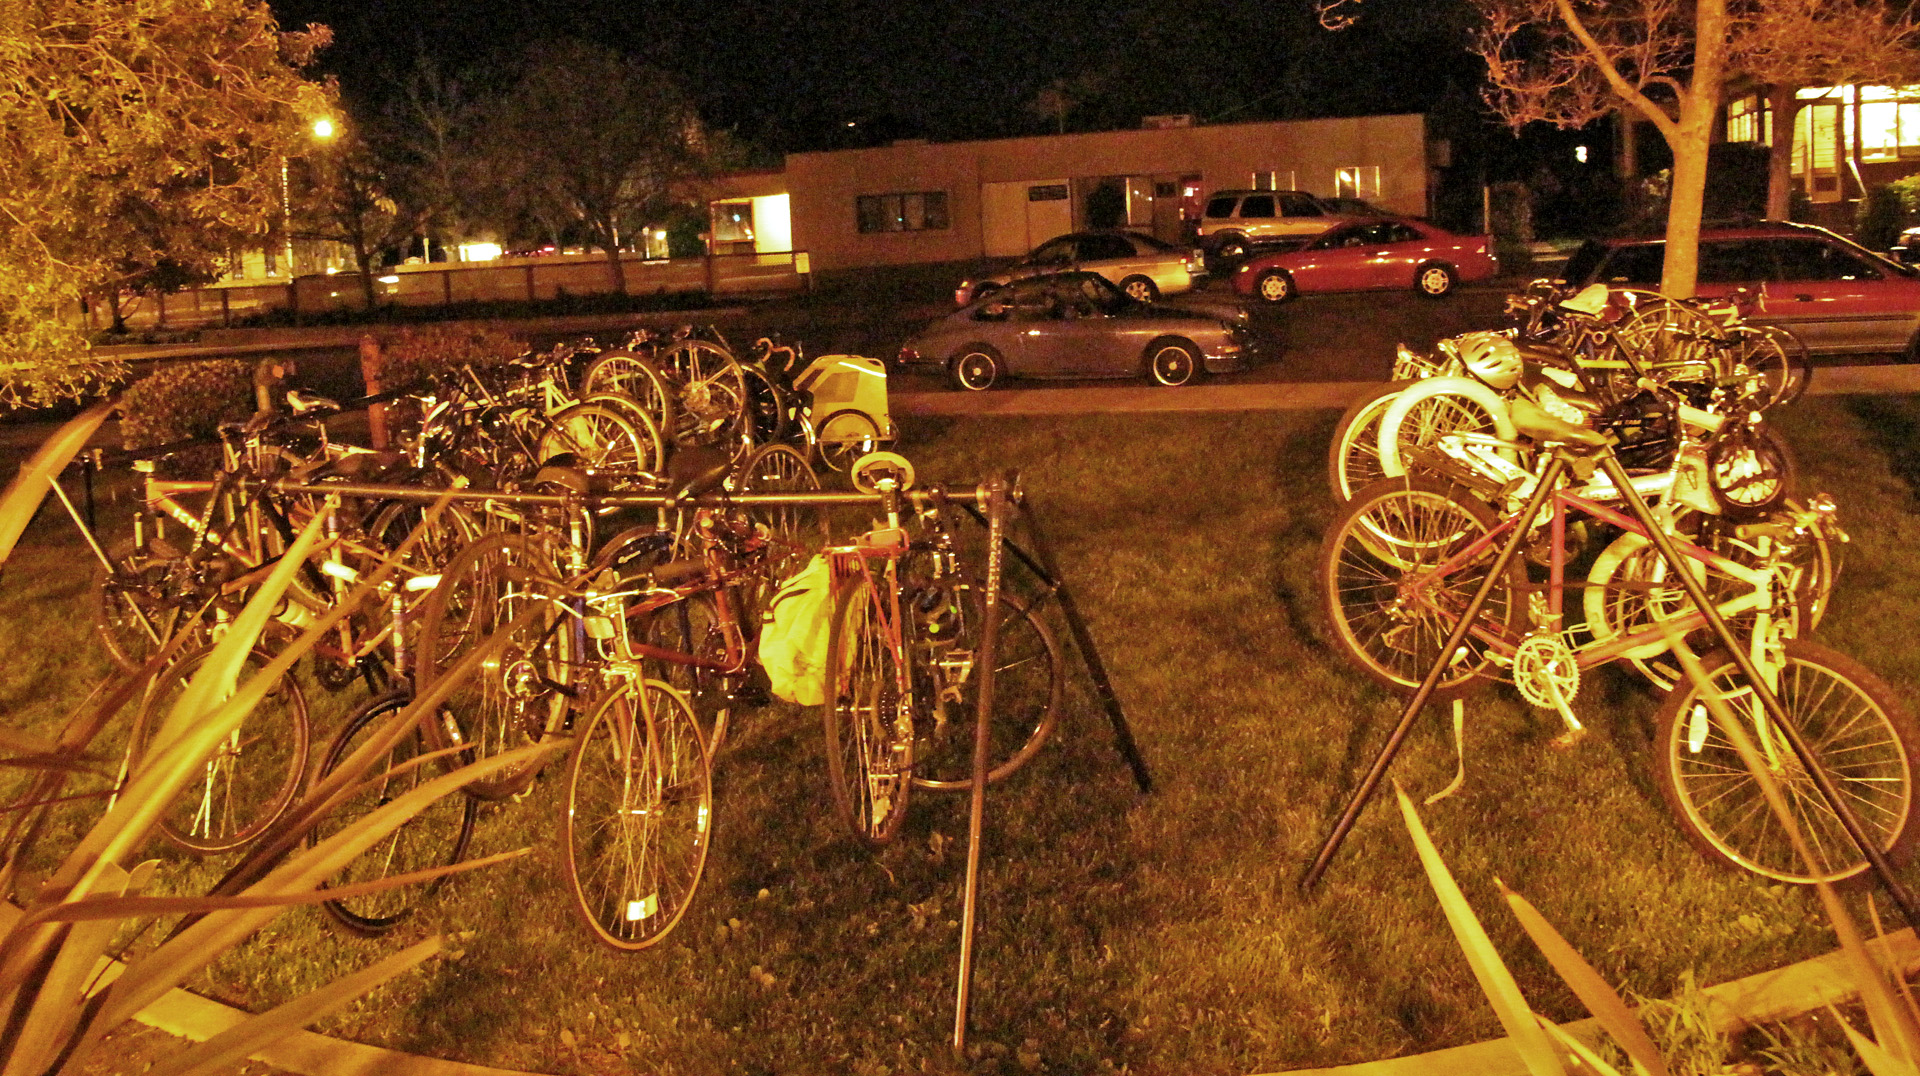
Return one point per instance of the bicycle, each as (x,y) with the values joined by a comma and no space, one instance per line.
(902,645)
(1409,557)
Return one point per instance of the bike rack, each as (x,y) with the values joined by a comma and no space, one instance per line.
(1002,500)
(1696,593)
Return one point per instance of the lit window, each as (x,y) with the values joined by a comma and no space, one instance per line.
(1273,179)
(1362,181)
(1745,120)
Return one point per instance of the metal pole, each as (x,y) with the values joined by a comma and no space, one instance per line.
(1419,700)
(996,491)
(1829,792)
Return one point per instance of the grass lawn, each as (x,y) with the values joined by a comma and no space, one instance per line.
(1155,934)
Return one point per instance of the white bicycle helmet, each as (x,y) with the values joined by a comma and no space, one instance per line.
(1491,357)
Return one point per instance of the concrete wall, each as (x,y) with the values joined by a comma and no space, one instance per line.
(825,186)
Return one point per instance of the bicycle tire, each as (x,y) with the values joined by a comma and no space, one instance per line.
(1027,684)
(1407,526)
(519,697)
(639,379)
(868,724)
(1779,358)
(845,436)
(435,837)
(1864,738)
(132,614)
(653,444)
(767,419)
(231,801)
(1429,410)
(598,437)
(712,401)
(638,820)
(794,532)
(1353,457)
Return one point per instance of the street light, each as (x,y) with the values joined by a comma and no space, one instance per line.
(323,131)
(323,128)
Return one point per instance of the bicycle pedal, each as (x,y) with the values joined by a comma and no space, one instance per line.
(1568,739)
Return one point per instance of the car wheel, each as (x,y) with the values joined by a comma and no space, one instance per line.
(1232,248)
(1434,279)
(1140,289)
(1275,286)
(1173,362)
(976,368)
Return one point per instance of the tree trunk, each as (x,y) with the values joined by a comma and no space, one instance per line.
(1690,140)
(609,238)
(1783,108)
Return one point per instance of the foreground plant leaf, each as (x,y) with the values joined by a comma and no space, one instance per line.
(1495,980)
(29,487)
(1594,992)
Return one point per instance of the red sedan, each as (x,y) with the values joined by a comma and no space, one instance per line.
(1370,255)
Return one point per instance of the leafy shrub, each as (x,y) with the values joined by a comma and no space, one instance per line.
(417,356)
(1882,216)
(189,399)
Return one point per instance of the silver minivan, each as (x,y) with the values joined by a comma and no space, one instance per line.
(1236,221)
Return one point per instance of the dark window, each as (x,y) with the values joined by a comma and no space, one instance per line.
(1223,206)
(1637,264)
(915,212)
(1295,204)
(1047,192)
(1399,233)
(1052,251)
(1735,261)
(1257,205)
(1339,237)
(1094,247)
(1166,190)
(1810,259)
(1584,262)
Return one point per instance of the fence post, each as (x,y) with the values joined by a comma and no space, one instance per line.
(226,310)
(711,274)
(531,297)
(446,287)
(371,360)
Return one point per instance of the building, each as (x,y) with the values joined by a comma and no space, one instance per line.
(918,201)
(1846,139)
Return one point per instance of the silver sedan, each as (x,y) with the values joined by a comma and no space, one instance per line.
(1074,325)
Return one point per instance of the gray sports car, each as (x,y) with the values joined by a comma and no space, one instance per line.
(1078,325)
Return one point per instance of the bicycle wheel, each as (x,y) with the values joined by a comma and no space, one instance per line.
(1428,410)
(653,444)
(796,531)
(639,815)
(766,406)
(1386,597)
(249,778)
(597,437)
(713,392)
(869,712)
(693,627)
(846,436)
(1353,459)
(1027,685)
(133,612)
(520,695)
(435,837)
(1780,360)
(1857,729)
(638,379)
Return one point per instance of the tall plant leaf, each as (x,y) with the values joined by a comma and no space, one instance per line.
(1495,980)
(29,487)
(1594,992)
(237,1042)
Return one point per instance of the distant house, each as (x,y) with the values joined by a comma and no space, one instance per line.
(1846,139)
(919,201)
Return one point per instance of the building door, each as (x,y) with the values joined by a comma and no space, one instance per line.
(1016,217)
(1816,149)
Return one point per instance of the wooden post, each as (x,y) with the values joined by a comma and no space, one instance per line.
(370,363)
(226,309)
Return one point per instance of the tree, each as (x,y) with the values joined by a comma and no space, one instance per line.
(1571,62)
(434,151)
(132,135)
(345,200)
(1790,45)
(596,138)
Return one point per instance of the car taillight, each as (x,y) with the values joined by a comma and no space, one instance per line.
(963,293)
(907,355)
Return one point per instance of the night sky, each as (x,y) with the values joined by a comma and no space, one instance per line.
(789,76)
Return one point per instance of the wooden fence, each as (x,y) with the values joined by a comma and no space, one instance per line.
(506,280)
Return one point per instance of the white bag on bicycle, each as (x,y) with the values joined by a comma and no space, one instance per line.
(794,634)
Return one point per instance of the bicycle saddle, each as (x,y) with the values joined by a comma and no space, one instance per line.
(306,404)
(1530,421)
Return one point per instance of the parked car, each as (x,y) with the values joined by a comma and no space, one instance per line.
(1140,265)
(1234,222)
(1837,296)
(1076,324)
(1383,253)
(1907,250)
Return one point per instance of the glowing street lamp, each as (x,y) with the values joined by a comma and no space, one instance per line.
(323,128)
